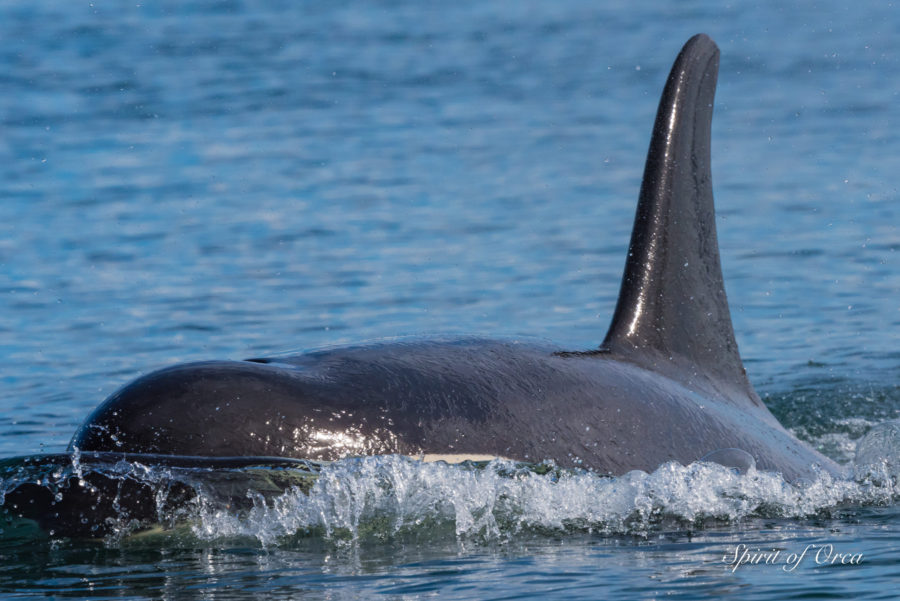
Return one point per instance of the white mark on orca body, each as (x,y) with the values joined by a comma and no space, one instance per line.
(456,458)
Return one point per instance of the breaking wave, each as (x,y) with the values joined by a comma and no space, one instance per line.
(383,498)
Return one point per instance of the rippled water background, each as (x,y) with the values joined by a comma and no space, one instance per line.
(188,180)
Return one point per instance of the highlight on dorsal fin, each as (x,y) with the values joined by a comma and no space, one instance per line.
(672,304)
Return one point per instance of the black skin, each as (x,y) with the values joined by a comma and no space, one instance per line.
(522,401)
(667,383)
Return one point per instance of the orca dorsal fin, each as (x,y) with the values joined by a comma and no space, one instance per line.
(672,305)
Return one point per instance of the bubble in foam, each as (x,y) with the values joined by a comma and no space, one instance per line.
(738,460)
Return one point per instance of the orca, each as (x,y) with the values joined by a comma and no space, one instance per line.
(666,384)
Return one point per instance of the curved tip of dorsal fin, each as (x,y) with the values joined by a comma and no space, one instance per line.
(672,303)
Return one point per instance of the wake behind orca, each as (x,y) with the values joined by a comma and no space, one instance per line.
(666,384)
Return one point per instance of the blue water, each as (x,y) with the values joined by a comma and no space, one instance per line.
(190,180)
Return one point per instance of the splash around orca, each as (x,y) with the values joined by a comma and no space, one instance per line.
(666,384)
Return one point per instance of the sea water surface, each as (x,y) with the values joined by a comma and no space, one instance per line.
(225,179)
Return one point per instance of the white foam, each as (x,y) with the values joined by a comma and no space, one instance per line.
(393,496)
